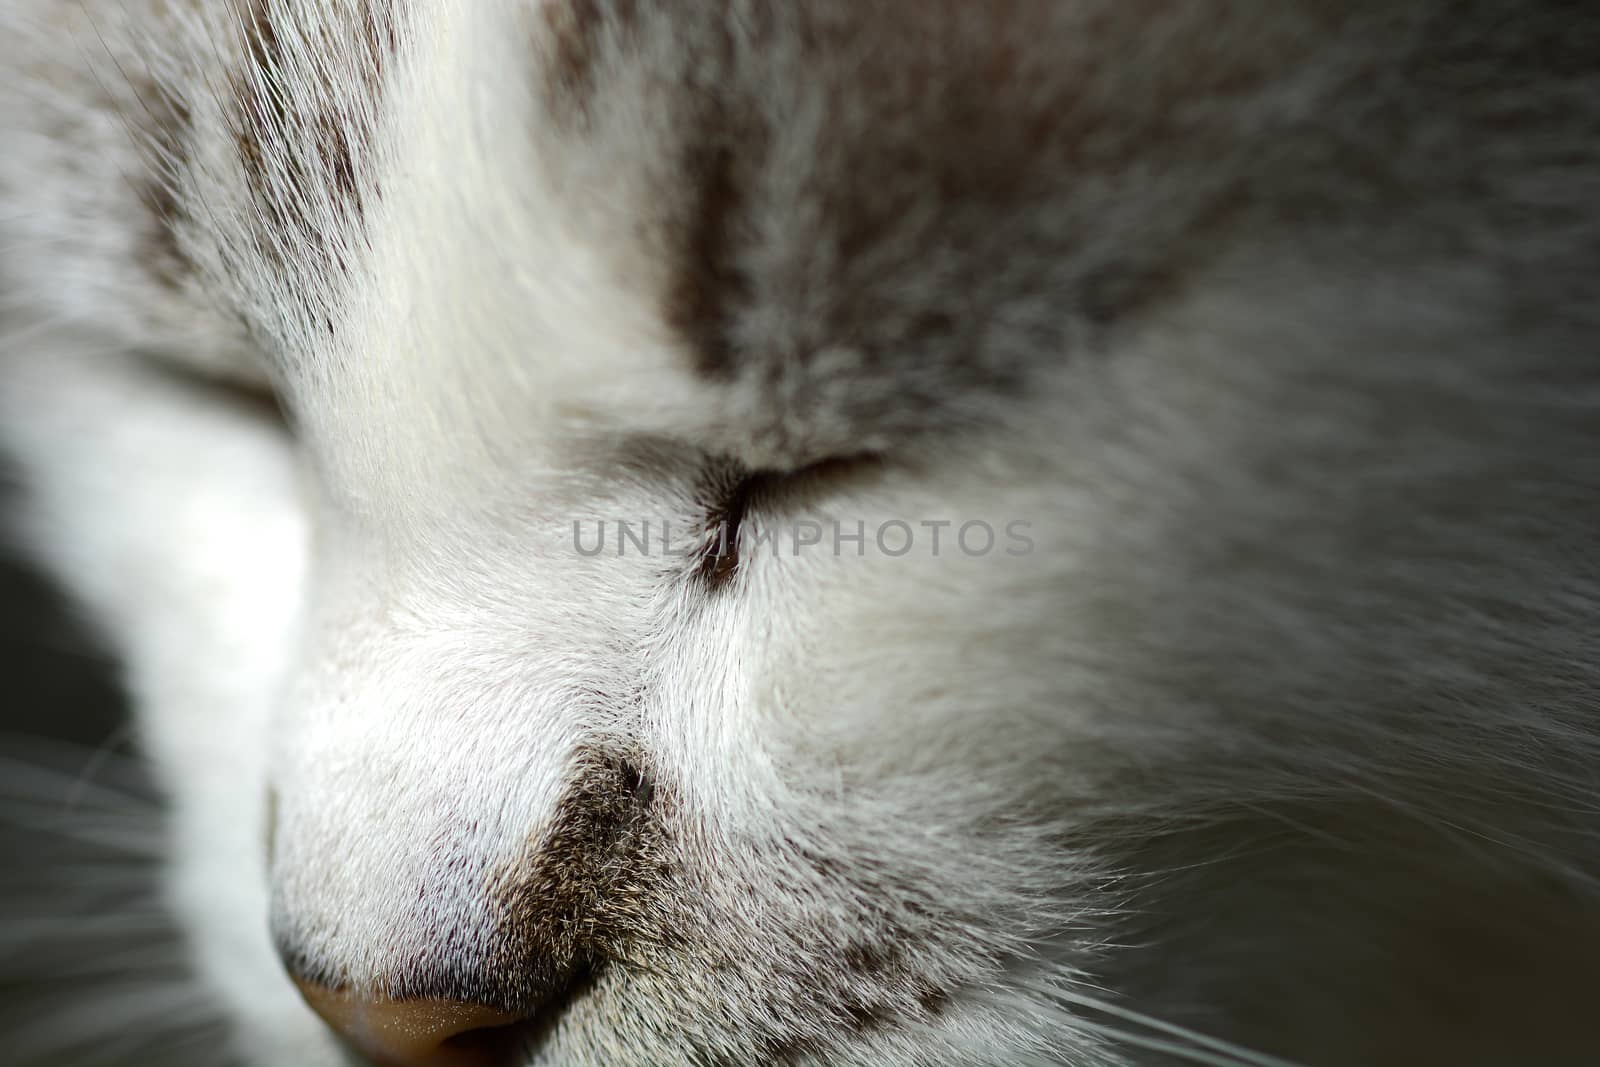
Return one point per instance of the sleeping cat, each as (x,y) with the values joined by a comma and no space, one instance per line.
(836,532)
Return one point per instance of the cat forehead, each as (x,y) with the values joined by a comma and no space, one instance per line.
(807,230)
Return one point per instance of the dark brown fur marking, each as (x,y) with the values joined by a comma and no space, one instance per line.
(579,30)
(707,284)
(301,148)
(586,891)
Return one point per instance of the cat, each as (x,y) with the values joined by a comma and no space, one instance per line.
(839,533)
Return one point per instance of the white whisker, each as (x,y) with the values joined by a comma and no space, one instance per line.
(1196,1042)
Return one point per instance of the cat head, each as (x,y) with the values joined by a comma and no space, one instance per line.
(797,504)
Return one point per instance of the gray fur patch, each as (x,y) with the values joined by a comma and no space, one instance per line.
(880,219)
(302,152)
(160,250)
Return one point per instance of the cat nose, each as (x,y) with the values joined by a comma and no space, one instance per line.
(416,1033)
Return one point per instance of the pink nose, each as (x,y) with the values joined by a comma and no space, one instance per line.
(416,1033)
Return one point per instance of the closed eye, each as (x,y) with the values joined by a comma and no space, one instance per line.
(719,563)
(736,496)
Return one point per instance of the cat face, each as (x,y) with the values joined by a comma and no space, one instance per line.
(658,799)
(819,535)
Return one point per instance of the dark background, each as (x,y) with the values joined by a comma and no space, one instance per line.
(56,683)
(82,934)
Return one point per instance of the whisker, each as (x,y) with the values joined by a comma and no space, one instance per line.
(92,960)
(28,779)
(1234,1053)
(144,1008)
(1170,1048)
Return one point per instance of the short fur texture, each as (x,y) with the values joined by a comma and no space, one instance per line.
(1273,326)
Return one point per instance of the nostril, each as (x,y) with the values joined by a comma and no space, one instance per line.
(487,1046)
(418,1033)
